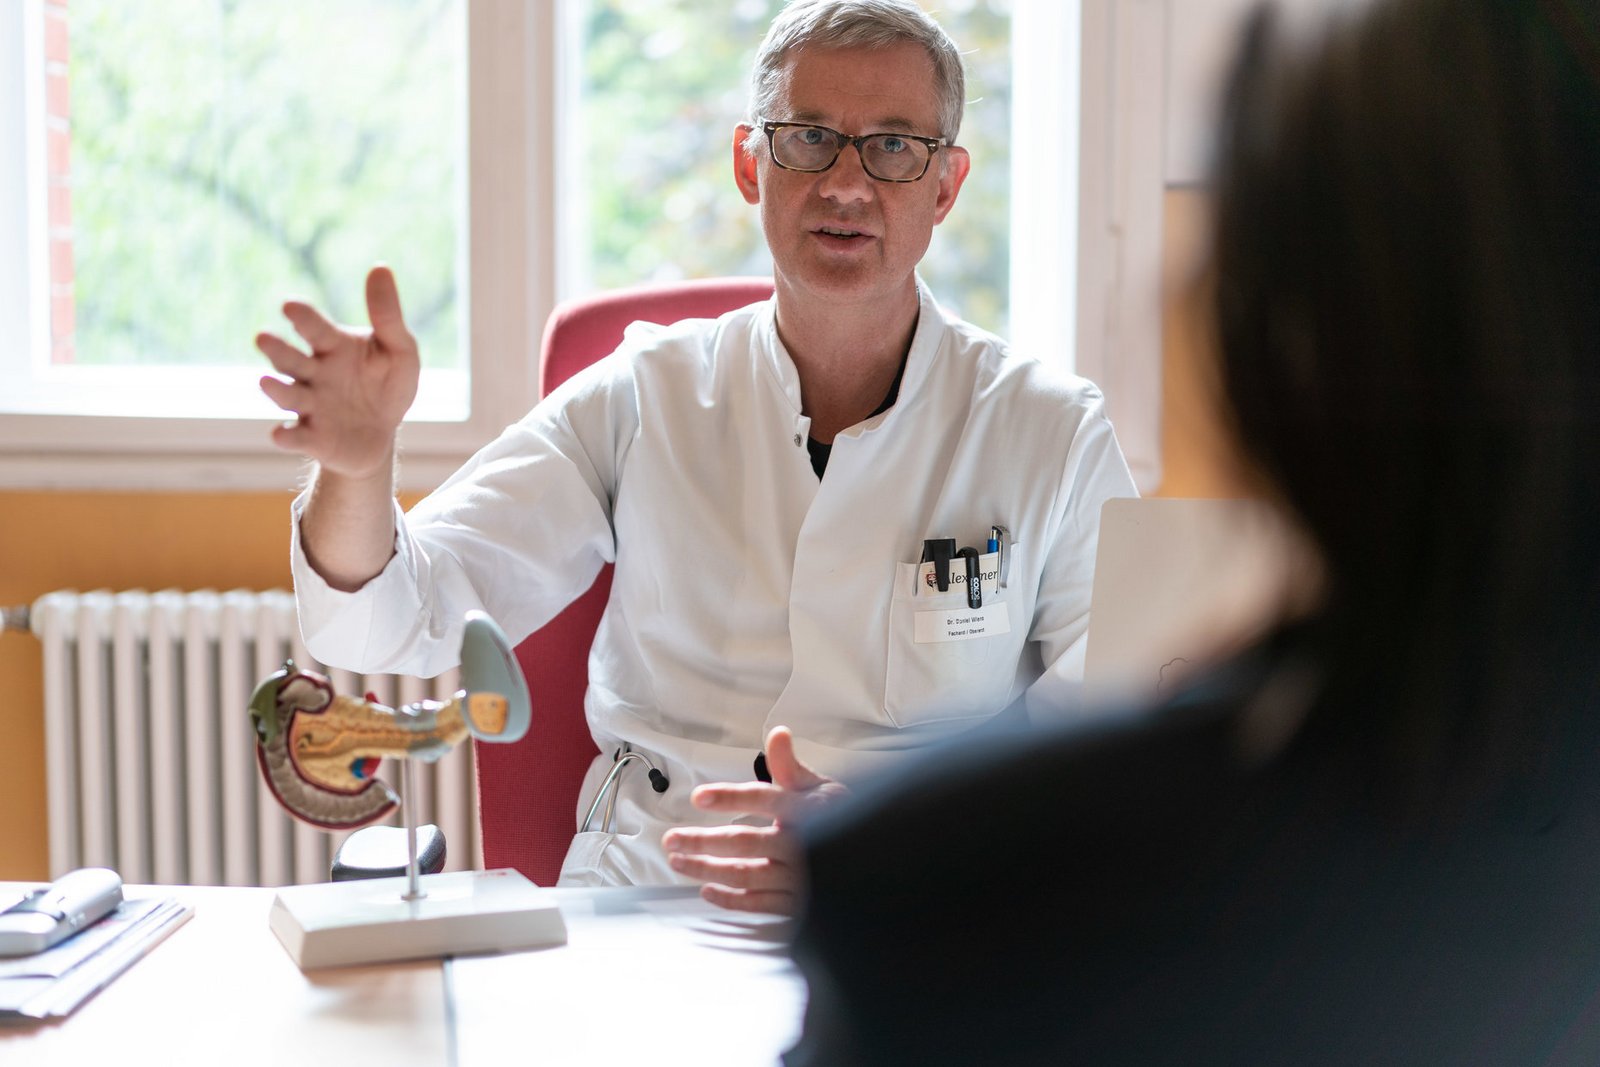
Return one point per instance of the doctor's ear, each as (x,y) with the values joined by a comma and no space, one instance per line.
(954,165)
(745,172)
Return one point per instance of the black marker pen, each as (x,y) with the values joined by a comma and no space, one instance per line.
(974,577)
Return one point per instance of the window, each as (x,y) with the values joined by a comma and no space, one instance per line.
(183,166)
(221,155)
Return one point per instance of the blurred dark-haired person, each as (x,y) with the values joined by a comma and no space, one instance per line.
(1375,836)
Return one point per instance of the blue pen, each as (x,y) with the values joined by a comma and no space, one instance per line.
(997,545)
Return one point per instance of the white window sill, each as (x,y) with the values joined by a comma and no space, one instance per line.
(194,455)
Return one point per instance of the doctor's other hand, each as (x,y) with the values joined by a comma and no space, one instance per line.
(753,868)
(352,389)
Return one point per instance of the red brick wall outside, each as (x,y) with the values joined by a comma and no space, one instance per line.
(58,159)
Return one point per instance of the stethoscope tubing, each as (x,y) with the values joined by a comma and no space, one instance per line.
(658,782)
(608,788)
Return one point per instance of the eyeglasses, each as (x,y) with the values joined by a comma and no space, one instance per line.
(888,157)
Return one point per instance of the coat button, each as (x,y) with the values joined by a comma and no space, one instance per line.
(797,440)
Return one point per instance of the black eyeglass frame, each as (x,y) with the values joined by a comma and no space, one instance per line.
(933,144)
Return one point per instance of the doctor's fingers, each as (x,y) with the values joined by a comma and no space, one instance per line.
(319,331)
(285,358)
(300,436)
(748,842)
(765,901)
(785,766)
(756,798)
(745,885)
(753,874)
(383,309)
(290,396)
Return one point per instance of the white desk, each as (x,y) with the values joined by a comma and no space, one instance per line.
(648,976)
(221,990)
(646,973)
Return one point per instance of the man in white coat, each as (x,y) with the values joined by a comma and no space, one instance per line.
(768,485)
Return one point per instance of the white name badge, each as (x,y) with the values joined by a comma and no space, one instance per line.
(961,624)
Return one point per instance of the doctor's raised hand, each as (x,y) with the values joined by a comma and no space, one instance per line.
(352,389)
(349,392)
(753,868)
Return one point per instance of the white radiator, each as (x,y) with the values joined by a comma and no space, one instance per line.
(150,761)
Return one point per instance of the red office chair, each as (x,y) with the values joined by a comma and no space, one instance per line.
(528,791)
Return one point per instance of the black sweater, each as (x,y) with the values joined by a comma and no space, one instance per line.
(1219,882)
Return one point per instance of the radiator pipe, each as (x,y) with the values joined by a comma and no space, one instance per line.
(14,618)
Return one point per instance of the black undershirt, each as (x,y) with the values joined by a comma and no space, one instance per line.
(820,452)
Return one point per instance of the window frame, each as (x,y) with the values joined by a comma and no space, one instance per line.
(506,299)
(1121,223)
(1106,251)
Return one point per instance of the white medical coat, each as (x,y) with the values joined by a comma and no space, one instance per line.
(748,593)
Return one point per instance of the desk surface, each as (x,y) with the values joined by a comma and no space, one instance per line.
(222,990)
(648,975)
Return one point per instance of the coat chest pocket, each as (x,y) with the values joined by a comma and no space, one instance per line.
(946,659)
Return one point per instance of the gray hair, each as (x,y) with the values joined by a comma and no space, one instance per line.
(858,24)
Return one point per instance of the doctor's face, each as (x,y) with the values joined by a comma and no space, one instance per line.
(841,234)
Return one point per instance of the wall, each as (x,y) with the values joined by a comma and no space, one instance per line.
(1196,460)
(113,541)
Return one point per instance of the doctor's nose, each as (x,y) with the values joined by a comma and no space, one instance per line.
(847,179)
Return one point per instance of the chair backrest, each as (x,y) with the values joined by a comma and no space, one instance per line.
(528,791)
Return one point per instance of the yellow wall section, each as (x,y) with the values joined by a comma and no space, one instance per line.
(108,541)
(1196,458)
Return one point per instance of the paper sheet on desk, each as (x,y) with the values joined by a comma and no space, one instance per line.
(57,980)
(642,978)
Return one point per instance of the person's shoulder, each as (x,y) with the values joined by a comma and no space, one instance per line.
(1100,756)
(1118,771)
(1002,374)
(689,345)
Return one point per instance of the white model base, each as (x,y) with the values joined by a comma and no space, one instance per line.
(335,924)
